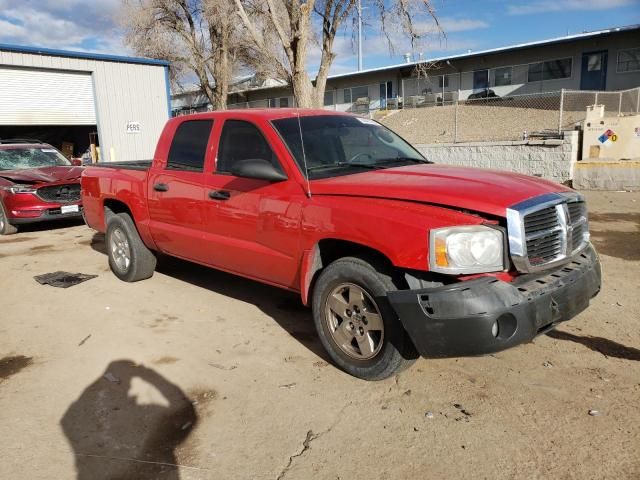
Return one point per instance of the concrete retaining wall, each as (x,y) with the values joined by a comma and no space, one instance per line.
(550,159)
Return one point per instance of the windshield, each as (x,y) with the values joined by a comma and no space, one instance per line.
(31,157)
(340,145)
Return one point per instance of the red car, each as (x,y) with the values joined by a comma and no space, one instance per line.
(396,256)
(37,184)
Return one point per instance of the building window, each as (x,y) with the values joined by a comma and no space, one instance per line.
(284,102)
(503,76)
(443,81)
(549,70)
(328,98)
(359,92)
(347,95)
(272,103)
(628,60)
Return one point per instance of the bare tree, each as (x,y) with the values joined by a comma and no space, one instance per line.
(281,32)
(196,36)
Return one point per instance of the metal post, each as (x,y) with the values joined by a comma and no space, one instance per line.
(455,123)
(596,101)
(561,111)
(359,35)
(638,102)
(619,103)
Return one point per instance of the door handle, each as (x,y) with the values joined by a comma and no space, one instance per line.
(219,195)
(161,187)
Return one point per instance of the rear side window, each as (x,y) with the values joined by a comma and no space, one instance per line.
(242,140)
(189,145)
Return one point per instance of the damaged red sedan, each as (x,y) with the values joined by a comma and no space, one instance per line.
(37,183)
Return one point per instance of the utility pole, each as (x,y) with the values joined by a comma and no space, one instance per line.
(359,35)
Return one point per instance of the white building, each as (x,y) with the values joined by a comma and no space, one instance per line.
(120,103)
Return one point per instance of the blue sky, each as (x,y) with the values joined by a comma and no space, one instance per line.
(91,25)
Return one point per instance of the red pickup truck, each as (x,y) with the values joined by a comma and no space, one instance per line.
(398,257)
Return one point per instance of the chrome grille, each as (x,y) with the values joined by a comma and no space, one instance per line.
(547,230)
(544,236)
(60,193)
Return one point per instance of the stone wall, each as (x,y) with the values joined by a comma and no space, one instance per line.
(550,159)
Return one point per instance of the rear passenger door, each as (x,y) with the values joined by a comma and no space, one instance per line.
(253,224)
(176,192)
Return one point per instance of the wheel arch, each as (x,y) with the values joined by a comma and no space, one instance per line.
(328,250)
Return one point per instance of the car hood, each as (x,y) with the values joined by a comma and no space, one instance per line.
(34,176)
(475,189)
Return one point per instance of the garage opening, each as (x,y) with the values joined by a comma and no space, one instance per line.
(53,106)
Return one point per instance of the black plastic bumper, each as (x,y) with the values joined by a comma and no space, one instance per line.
(487,315)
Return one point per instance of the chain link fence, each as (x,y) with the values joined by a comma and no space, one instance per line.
(433,118)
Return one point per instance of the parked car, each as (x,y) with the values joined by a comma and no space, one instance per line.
(398,257)
(37,184)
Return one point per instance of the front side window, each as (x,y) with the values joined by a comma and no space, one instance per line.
(333,145)
(32,157)
(242,140)
(189,147)
(628,60)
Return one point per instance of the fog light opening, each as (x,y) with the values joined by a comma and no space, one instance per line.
(505,326)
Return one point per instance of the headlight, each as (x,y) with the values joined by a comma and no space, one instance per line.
(20,189)
(468,249)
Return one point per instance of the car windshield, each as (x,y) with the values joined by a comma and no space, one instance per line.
(31,157)
(336,145)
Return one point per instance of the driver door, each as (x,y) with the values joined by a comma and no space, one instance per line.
(253,224)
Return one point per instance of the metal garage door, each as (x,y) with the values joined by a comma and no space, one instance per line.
(45,97)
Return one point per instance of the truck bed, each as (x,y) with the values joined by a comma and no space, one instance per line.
(143,165)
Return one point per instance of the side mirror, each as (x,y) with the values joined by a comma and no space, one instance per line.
(76,162)
(257,168)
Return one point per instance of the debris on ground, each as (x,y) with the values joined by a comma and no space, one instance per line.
(547,364)
(429,414)
(62,279)
(84,340)
(594,413)
(222,367)
(287,385)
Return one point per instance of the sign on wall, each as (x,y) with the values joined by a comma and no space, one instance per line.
(134,127)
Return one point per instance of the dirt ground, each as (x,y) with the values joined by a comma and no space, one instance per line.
(225,378)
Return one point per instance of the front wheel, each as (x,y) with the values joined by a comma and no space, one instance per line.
(356,323)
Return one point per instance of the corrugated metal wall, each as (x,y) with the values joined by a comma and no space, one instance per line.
(124,92)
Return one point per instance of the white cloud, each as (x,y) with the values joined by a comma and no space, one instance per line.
(450,25)
(544,6)
(64,24)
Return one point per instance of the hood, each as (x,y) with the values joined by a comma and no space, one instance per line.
(34,176)
(480,190)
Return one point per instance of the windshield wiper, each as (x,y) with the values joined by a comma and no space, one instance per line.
(403,159)
(343,164)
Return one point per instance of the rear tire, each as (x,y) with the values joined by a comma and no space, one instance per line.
(129,258)
(5,227)
(356,323)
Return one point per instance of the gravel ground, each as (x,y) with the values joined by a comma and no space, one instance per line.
(195,374)
(476,123)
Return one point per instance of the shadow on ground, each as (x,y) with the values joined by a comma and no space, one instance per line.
(602,345)
(117,435)
(613,242)
(51,225)
(282,306)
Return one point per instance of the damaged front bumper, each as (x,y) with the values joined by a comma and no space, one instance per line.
(487,315)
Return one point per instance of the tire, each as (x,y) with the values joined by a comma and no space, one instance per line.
(129,258)
(5,227)
(384,349)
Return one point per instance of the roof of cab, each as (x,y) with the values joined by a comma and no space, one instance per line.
(262,113)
